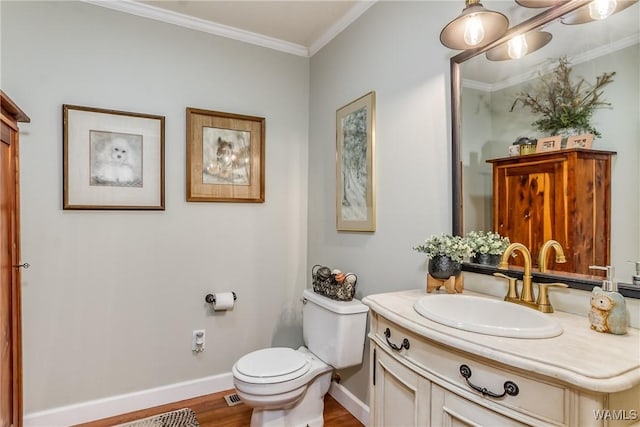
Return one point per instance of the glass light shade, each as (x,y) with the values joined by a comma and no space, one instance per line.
(537,3)
(457,35)
(473,30)
(517,47)
(583,14)
(534,40)
(601,9)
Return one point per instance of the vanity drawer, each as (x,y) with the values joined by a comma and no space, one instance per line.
(542,400)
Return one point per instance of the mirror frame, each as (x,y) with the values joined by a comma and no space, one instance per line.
(456,61)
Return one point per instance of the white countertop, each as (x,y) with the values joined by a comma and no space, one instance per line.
(580,356)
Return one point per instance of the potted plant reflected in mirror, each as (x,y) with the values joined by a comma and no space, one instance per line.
(564,104)
(486,246)
(445,253)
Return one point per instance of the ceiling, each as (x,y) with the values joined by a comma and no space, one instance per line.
(300,27)
(303,27)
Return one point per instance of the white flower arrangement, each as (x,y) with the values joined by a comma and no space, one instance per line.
(455,247)
(486,242)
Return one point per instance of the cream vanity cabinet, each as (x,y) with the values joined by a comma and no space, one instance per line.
(423,385)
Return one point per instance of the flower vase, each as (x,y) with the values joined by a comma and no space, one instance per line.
(486,259)
(443,267)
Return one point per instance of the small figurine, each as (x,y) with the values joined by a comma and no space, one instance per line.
(608,312)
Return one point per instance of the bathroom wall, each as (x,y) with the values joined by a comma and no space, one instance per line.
(392,49)
(111,299)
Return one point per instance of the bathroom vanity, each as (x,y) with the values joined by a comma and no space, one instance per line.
(424,373)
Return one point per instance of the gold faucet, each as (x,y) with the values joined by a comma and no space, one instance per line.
(526,296)
(542,260)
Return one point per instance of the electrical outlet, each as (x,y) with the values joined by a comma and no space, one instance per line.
(197,340)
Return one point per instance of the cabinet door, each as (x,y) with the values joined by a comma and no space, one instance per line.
(449,409)
(399,397)
(529,204)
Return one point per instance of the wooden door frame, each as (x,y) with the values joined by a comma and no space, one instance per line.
(9,116)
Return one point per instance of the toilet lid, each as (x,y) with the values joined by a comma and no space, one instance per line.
(273,362)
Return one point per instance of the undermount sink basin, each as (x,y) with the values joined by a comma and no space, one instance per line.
(487,316)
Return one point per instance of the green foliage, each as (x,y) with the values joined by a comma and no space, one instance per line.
(564,102)
(455,247)
(486,242)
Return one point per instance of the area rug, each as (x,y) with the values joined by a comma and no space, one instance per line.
(180,418)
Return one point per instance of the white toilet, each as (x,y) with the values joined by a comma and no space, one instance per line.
(286,387)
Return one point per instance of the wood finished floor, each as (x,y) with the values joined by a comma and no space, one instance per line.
(212,411)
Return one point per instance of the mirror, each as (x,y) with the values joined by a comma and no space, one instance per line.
(483,127)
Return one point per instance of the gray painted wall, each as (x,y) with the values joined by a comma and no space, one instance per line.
(111,298)
(392,49)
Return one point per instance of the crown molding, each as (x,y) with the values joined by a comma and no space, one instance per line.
(360,7)
(159,14)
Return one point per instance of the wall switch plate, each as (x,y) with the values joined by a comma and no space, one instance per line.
(198,340)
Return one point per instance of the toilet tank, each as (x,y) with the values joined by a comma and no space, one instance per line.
(333,330)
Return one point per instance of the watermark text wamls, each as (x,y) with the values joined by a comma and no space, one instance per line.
(616,414)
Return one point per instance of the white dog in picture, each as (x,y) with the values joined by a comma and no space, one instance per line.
(114,166)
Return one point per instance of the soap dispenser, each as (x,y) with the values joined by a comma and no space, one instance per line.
(608,308)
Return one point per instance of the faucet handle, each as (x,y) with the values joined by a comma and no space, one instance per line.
(543,303)
(512,293)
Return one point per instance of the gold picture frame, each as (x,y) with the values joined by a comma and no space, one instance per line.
(112,159)
(355,183)
(225,157)
(580,141)
(550,143)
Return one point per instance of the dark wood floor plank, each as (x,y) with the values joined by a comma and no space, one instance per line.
(212,411)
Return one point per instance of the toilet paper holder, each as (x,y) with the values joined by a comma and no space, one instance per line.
(211,298)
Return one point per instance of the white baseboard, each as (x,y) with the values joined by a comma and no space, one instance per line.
(350,402)
(121,404)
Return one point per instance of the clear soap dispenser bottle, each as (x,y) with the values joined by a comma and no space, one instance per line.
(608,307)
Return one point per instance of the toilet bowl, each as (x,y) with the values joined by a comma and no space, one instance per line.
(286,387)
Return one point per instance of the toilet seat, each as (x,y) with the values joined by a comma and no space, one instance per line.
(271,365)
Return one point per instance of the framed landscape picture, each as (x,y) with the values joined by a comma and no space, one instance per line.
(355,192)
(225,157)
(112,159)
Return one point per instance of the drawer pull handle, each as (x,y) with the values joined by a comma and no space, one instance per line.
(510,387)
(405,342)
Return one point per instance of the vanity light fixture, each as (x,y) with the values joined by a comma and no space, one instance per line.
(519,46)
(476,26)
(596,10)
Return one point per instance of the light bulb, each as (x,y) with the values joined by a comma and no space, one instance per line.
(517,47)
(600,9)
(473,30)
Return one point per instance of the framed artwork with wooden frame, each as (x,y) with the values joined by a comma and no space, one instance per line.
(355,192)
(112,159)
(580,141)
(551,143)
(225,157)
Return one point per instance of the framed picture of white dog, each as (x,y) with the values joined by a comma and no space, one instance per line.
(112,159)
(225,157)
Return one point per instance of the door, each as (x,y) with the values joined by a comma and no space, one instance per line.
(10,339)
(399,396)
